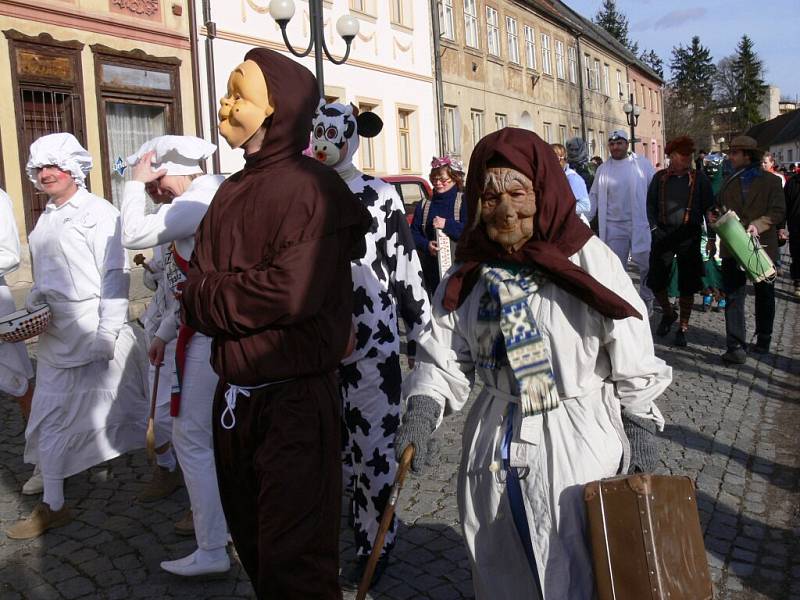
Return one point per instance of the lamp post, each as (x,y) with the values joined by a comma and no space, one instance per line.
(632,116)
(346,26)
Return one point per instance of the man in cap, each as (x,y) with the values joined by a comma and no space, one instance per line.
(619,199)
(757,197)
(677,200)
(270,281)
(171,165)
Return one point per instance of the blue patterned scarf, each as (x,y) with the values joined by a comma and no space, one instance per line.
(520,342)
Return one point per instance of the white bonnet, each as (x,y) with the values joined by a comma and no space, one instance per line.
(178,154)
(63,151)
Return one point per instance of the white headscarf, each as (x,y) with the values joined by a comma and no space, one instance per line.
(63,151)
(178,154)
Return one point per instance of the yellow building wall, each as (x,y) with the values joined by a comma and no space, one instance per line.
(96,12)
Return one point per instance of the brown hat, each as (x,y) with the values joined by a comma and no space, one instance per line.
(743,142)
(682,145)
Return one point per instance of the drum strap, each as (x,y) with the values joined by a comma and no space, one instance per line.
(687,214)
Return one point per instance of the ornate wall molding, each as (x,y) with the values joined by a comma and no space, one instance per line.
(143,9)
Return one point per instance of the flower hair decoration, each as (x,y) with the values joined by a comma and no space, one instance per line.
(447,161)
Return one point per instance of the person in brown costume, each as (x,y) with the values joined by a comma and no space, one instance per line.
(270,282)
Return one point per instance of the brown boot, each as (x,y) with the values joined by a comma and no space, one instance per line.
(186,525)
(41,519)
(162,484)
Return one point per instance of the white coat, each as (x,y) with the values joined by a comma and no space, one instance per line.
(84,411)
(15,366)
(191,429)
(642,171)
(601,366)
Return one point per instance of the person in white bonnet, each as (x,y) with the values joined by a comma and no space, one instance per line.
(169,166)
(89,403)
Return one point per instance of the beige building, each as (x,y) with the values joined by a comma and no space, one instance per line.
(540,66)
(112,72)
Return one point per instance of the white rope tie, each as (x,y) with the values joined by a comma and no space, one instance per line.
(228,417)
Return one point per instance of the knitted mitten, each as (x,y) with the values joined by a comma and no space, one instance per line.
(644,443)
(419,422)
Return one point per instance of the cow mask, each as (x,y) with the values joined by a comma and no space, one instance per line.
(335,132)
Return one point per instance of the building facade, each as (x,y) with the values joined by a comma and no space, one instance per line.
(389,71)
(538,65)
(112,72)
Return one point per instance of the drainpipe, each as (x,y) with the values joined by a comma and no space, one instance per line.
(198,111)
(437,73)
(211,33)
(581,71)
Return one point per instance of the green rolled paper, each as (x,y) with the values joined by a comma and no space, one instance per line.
(745,248)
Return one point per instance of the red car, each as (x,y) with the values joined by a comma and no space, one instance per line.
(411,189)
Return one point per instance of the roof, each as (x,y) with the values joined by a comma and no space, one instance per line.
(580,24)
(780,130)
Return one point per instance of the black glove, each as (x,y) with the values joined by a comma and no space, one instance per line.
(419,422)
(658,236)
(644,443)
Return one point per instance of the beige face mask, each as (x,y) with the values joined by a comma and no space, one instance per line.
(245,106)
(508,205)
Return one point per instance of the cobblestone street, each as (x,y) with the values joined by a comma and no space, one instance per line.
(732,429)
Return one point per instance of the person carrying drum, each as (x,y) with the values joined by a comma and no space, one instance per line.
(677,200)
(757,198)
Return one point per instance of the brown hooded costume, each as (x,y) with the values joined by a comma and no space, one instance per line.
(270,282)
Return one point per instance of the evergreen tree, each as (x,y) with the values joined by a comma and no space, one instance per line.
(748,70)
(653,60)
(615,23)
(692,74)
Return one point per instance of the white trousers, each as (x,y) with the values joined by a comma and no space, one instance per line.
(163,420)
(618,238)
(193,442)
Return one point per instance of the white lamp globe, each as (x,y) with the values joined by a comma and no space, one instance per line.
(281,10)
(627,108)
(347,27)
(636,110)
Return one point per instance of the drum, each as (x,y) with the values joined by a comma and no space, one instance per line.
(747,250)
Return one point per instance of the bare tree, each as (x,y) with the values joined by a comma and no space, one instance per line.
(726,84)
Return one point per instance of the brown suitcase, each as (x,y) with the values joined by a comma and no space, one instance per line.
(646,539)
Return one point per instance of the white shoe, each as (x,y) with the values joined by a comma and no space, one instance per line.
(199,562)
(34,485)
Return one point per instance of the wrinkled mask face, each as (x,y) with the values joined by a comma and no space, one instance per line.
(331,136)
(508,205)
(245,106)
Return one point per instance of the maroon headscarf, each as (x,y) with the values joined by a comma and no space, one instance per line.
(558,232)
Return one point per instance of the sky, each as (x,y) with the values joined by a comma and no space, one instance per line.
(772,25)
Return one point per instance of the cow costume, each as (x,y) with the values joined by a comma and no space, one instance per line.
(387,285)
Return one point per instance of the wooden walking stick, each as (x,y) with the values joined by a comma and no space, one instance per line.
(386,521)
(150,438)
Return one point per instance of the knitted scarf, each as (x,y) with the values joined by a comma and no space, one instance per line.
(520,339)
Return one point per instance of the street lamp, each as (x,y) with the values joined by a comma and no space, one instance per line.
(632,115)
(346,26)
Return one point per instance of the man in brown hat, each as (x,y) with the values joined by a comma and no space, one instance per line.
(757,198)
(677,201)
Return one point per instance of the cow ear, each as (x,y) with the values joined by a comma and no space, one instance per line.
(353,109)
(320,105)
(369,124)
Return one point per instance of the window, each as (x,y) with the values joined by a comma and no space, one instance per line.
(601,151)
(448,26)
(513,40)
(587,65)
(790,154)
(364,6)
(548,132)
(138,100)
(492,32)
(656,103)
(560,71)
(644,98)
(606,80)
(591,142)
(366,148)
(500,121)
(404,136)
(471,23)
(401,13)
(597,75)
(47,88)
(562,134)
(573,64)
(477,126)
(576,132)
(546,66)
(530,47)
(450,128)
(619,85)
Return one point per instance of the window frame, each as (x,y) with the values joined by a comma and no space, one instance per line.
(493,31)
(547,132)
(406,16)
(561,72)
(547,59)
(500,121)
(512,40)
(476,116)
(472,25)
(450,129)
(530,47)
(446,8)
(607,79)
(562,134)
(408,131)
(572,60)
